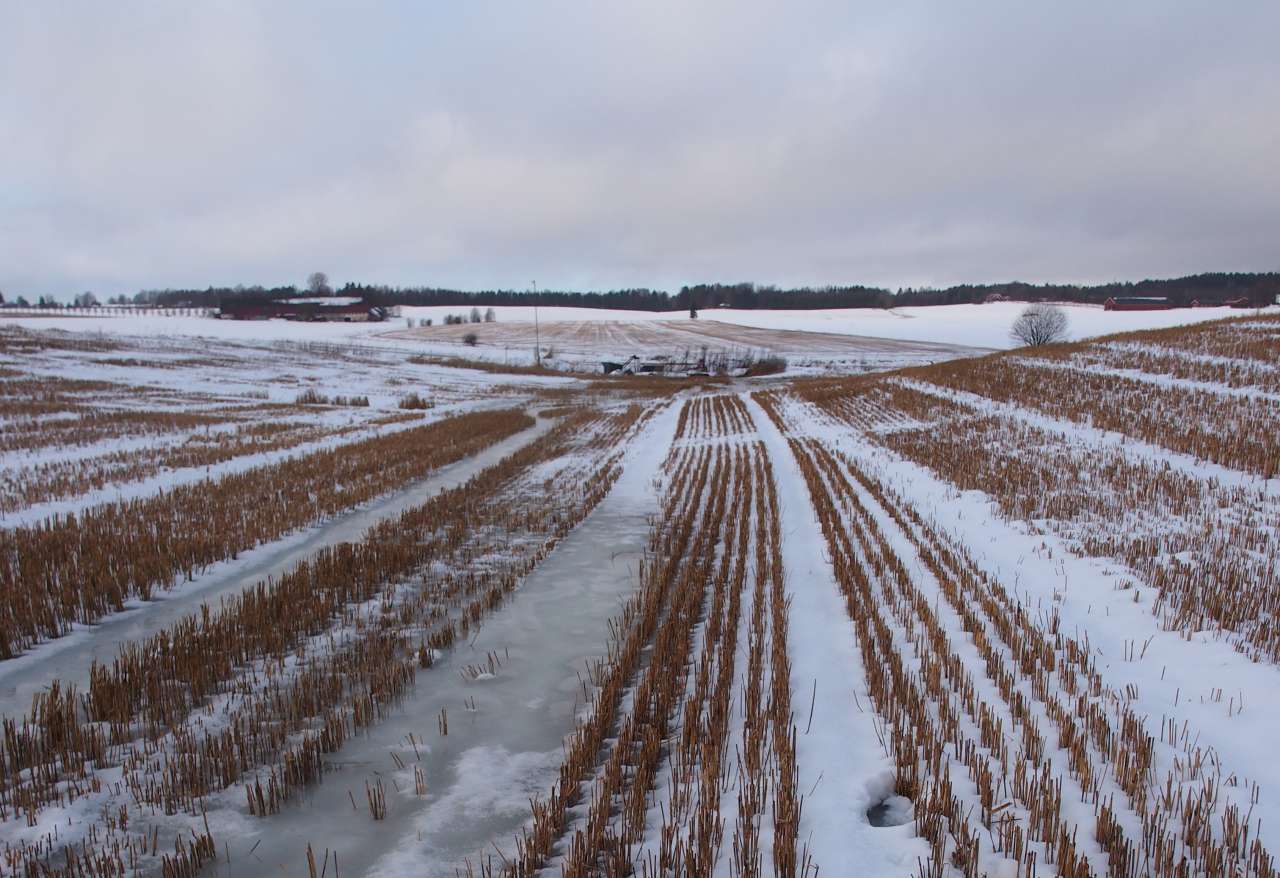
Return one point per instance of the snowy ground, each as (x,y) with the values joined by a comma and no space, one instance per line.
(957,585)
(976,326)
(583,344)
(241,384)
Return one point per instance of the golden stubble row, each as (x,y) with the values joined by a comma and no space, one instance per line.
(77,568)
(437,571)
(939,717)
(662,715)
(1234,431)
(1207,552)
(1206,549)
(713,416)
(57,478)
(1252,339)
(1183,365)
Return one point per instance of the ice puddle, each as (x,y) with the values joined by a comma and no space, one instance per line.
(505,731)
(69,658)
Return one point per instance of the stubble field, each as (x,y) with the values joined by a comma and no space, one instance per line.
(287,606)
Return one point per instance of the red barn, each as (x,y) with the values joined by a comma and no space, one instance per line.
(1137,303)
(332,309)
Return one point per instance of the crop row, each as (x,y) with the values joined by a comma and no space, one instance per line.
(648,783)
(17,341)
(70,569)
(300,664)
(1210,553)
(1002,738)
(25,486)
(874,403)
(1255,339)
(49,412)
(713,416)
(42,410)
(1180,365)
(1207,549)
(1236,432)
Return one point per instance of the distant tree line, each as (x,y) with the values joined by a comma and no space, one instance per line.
(749,296)
(1208,289)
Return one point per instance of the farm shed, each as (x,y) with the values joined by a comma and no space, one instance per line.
(1138,303)
(337,309)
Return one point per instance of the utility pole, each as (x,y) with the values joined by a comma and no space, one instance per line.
(537,335)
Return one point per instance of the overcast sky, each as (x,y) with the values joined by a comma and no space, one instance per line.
(614,144)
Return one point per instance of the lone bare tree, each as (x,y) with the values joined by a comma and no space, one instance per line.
(1040,325)
(318,283)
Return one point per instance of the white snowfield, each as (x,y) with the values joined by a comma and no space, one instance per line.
(950,662)
(980,326)
(983,326)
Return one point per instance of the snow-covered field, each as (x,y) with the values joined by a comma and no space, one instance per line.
(583,345)
(235,405)
(1001,616)
(972,326)
(981,326)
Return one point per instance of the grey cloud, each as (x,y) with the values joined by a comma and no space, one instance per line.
(626,143)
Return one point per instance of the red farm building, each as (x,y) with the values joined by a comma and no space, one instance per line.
(339,309)
(1137,303)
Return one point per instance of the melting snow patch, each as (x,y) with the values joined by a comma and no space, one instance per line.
(893,811)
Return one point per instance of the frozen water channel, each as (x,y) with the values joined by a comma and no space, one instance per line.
(504,732)
(69,658)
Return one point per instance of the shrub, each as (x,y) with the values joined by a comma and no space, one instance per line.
(470,339)
(770,365)
(414,401)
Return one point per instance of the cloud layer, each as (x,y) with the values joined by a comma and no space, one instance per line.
(634,143)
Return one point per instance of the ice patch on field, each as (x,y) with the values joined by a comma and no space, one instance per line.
(489,782)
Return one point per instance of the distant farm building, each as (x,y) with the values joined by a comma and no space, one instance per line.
(708,363)
(1138,303)
(332,309)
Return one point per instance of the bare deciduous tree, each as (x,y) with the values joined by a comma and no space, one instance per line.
(1040,325)
(318,283)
